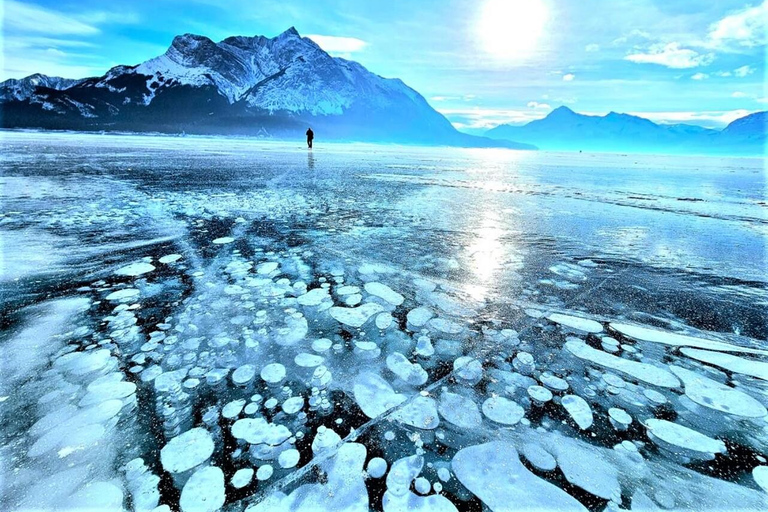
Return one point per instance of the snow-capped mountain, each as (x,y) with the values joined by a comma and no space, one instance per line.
(24,88)
(247,85)
(564,129)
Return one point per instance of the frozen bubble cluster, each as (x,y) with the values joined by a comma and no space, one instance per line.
(284,347)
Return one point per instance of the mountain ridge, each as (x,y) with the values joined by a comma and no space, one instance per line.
(564,129)
(240,85)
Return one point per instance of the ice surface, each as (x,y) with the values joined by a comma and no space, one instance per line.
(493,472)
(382,314)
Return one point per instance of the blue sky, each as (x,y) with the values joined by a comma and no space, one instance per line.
(480,62)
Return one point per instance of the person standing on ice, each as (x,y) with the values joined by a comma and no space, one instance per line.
(310,136)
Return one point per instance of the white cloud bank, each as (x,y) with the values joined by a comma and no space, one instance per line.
(671,55)
(337,45)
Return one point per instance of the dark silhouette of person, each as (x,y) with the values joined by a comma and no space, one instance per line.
(310,136)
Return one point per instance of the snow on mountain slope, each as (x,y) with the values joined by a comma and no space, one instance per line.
(23,88)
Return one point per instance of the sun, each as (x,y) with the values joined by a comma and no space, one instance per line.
(510,29)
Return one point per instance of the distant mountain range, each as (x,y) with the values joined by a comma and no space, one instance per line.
(563,129)
(272,87)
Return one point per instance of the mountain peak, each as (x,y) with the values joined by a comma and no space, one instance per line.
(291,32)
(562,110)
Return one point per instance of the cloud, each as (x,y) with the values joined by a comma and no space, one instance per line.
(739,94)
(723,73)
(592,48)
(743,71)
(337,45)
(746,28)
(671,55)
(31,18)
(540,106)
(477,118)
(569,77)
(699,76)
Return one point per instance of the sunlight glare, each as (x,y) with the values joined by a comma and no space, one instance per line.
(510,29)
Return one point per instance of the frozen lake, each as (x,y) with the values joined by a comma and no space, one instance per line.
(197,323)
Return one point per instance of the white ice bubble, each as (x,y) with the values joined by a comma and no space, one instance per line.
(305,360)
(124,295)
(169,258)
(421,412)
(539,394)
(760,475)
(314,297)
(579,410)
(384,292)
(539,457)
(503,410)
(242,478)
(577,323)
(412,373)
(288,458)
(639,332)
(641,371)
(493,472)
(293,405)
(419,316)
(273,373)
(679,436)
(264,472)
(729,362)
(377,467)
(187,450)
(244,374)
(355,317)
(375,395)
(709,393)
(135,269)
(223,240)
(459,410)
